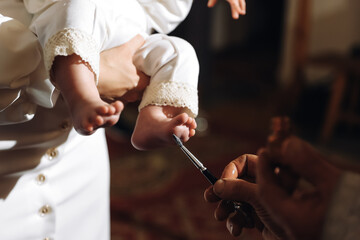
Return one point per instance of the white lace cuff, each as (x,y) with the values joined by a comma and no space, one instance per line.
(70,41)
(175,94)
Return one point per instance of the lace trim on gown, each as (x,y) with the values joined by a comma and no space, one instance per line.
(72,41)
(173,94)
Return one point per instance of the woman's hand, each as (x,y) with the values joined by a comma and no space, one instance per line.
(118,74)
(230,187)
(299,208)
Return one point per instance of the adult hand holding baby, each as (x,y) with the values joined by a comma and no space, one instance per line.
(124,83)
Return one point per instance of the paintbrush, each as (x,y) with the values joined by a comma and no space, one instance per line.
(242,207)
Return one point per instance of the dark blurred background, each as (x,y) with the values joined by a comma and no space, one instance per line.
(295,58)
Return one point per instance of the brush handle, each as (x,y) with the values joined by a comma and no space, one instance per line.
(244,208)
(209,176)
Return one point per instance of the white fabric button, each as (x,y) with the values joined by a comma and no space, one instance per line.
(52,153)
(44,210)
(40,179)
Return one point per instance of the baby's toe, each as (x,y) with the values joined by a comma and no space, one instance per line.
(181,119)
(119,106)
(103,110)
(98,121)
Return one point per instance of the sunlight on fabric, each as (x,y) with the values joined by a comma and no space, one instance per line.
(4,19)
(7,144)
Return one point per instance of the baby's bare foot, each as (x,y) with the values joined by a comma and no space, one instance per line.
(154,129)
(183,127)
(89,116)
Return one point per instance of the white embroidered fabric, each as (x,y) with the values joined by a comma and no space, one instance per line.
(175,94)
(73,41)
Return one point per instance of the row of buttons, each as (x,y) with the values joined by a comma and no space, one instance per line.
(40,179)
(51,154)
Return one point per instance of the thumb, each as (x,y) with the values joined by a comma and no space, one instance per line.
(135,43)
(235,190)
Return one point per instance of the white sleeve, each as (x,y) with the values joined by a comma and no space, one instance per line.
(69,27)
(174,69)
(164,15)
(23,82)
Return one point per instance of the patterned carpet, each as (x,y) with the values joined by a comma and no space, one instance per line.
(159,194)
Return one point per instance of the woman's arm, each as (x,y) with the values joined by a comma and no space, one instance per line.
(23,84)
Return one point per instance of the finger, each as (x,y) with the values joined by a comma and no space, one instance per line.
(232,169)
(143,82)
(288,179)
(271,194)
(211,3)
(236,190)
(306,162)
(192,132)
(236,6)
(242,7)
(267,178)
(246,165)
(224,210)
(235,9)
(210,196)
(234,12)
(236,223)
(243,166)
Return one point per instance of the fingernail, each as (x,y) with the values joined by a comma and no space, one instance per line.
(230,227)
(219,187)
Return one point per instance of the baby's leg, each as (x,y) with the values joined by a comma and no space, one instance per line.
(173,68)
(156,124)
(76,83)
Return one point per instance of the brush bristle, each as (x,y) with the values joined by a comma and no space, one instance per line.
(177,140)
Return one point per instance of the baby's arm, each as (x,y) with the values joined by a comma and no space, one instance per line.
(238,7)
